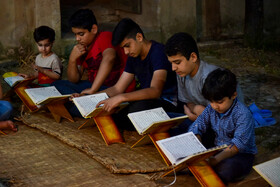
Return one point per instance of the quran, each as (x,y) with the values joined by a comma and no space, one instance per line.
(185,147)
(12,78)
(12,81)
(44,95)
(270,171)
(149,120)
(87,105)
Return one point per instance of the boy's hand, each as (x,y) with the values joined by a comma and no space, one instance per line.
(75,95)
(188,112)
(212,161)
(87,91)
(77,51)
(230,151)
(34,67)
(198,109)
(110,103)
(39,69)
(23,75)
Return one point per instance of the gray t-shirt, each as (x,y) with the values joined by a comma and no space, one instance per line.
(52,62)
(190,88)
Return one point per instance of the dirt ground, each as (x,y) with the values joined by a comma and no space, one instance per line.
(258,74)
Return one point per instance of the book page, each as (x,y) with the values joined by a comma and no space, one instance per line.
(39,94)
(181,146)
(86,104)
(270,171)
(12,80)
(143,119)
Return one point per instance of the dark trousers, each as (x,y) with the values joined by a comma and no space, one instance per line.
(67,87)
(235,168)
(123,122)
(231,169)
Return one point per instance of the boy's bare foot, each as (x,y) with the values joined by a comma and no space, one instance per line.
(8,125)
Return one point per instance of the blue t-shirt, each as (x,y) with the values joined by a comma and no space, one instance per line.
(144,70)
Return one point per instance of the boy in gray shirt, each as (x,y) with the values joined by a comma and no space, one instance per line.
(182,52)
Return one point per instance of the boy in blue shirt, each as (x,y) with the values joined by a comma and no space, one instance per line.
(232,123)
(148,62)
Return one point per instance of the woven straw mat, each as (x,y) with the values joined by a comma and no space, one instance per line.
(118,158)
(32,158)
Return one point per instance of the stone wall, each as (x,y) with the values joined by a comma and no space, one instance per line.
(20,17)
(205,20)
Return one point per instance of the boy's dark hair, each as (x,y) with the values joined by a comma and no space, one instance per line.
(181,43)
(83,18)
(219,83)
(126,28)
(44,32)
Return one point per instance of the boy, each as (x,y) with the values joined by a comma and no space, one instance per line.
(149,64)
(232,123)
(183,54)
(5,112)
(94,53)
(48,67)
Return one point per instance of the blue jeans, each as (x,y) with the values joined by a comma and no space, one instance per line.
(67,87)
(235,168)
(181,128)
(5,110)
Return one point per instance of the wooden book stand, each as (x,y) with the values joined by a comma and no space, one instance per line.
(19,90)
(58,110)
(152,138)
(155,134)
(56,107)
(203,172)
(205,175)
(107,127)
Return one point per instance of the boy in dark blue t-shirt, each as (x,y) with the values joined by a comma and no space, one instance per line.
(149,64)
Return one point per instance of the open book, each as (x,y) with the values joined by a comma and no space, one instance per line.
(148,120)
(44,95)
(270,171)
(87,105)
(12,81)
(183,147)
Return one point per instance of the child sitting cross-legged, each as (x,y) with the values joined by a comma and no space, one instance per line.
(232,123)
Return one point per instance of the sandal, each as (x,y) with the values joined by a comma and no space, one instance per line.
(263,112)
(262,122)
